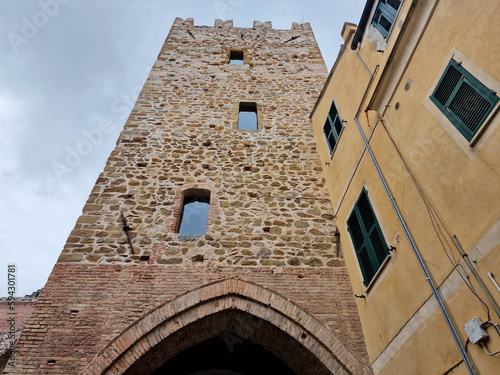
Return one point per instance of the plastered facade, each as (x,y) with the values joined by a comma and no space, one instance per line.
(403,326)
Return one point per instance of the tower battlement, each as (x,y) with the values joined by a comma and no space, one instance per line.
(189,22)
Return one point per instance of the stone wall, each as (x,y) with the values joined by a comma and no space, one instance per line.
(271,206)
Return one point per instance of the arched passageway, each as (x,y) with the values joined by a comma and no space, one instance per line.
(229,340)
(214,357)
(230,327)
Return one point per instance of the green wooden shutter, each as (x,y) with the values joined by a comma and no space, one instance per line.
(371,248)
(332,127)
(384,15)
(464,100)
(330,138)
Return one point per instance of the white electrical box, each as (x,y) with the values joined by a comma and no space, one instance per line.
(474,330)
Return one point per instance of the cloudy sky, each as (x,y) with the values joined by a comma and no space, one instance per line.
(71,70)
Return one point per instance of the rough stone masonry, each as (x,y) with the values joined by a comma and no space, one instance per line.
(270,220)
(271,207)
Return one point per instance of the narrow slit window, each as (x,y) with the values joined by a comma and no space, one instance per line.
(194,212)
(236,58)
(247,118)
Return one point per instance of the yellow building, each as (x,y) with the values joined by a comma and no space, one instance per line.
(407,128)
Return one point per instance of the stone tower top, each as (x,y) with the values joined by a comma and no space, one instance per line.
(268,203)
(189,22)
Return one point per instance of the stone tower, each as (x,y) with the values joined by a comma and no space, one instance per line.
(264,290)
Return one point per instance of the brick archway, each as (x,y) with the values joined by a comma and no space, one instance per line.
(229,295)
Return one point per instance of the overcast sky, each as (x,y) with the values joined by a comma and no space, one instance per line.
(72,69)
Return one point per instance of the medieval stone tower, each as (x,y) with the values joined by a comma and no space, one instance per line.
(222,125)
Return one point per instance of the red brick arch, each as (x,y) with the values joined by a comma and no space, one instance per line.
(229,294)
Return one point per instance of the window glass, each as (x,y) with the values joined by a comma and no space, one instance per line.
(385,14)
(247,118)
(194,215)
(236,58)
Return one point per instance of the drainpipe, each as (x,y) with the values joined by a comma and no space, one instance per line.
(476,275)
(362,62)
(362,24)
(435,291)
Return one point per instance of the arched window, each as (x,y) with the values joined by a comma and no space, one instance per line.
(194,212)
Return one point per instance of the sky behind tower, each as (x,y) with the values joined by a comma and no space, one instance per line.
(70,72)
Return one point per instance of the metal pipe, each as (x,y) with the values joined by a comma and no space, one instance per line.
(494,281)
(362,62)
(365,17)
(476,275)
(366,92)
(435,291)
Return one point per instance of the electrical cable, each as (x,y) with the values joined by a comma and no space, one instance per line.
(434,222)
(486,350)
(490,323)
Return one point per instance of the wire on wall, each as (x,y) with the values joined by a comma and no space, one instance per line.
(437,224)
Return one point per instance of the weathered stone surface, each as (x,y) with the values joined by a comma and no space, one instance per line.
(93,257)
(335,263)
(63,258)
(249,263)
(183,132)
(313,262)
(272,262)
(169,261)
(293,261)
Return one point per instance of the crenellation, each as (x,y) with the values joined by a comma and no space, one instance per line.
(257,24)
(189,22)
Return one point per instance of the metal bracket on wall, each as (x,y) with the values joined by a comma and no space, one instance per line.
(126,228)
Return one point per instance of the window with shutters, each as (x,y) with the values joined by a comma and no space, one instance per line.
(464,100)
(384,15)
(332,127)
(370,246)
